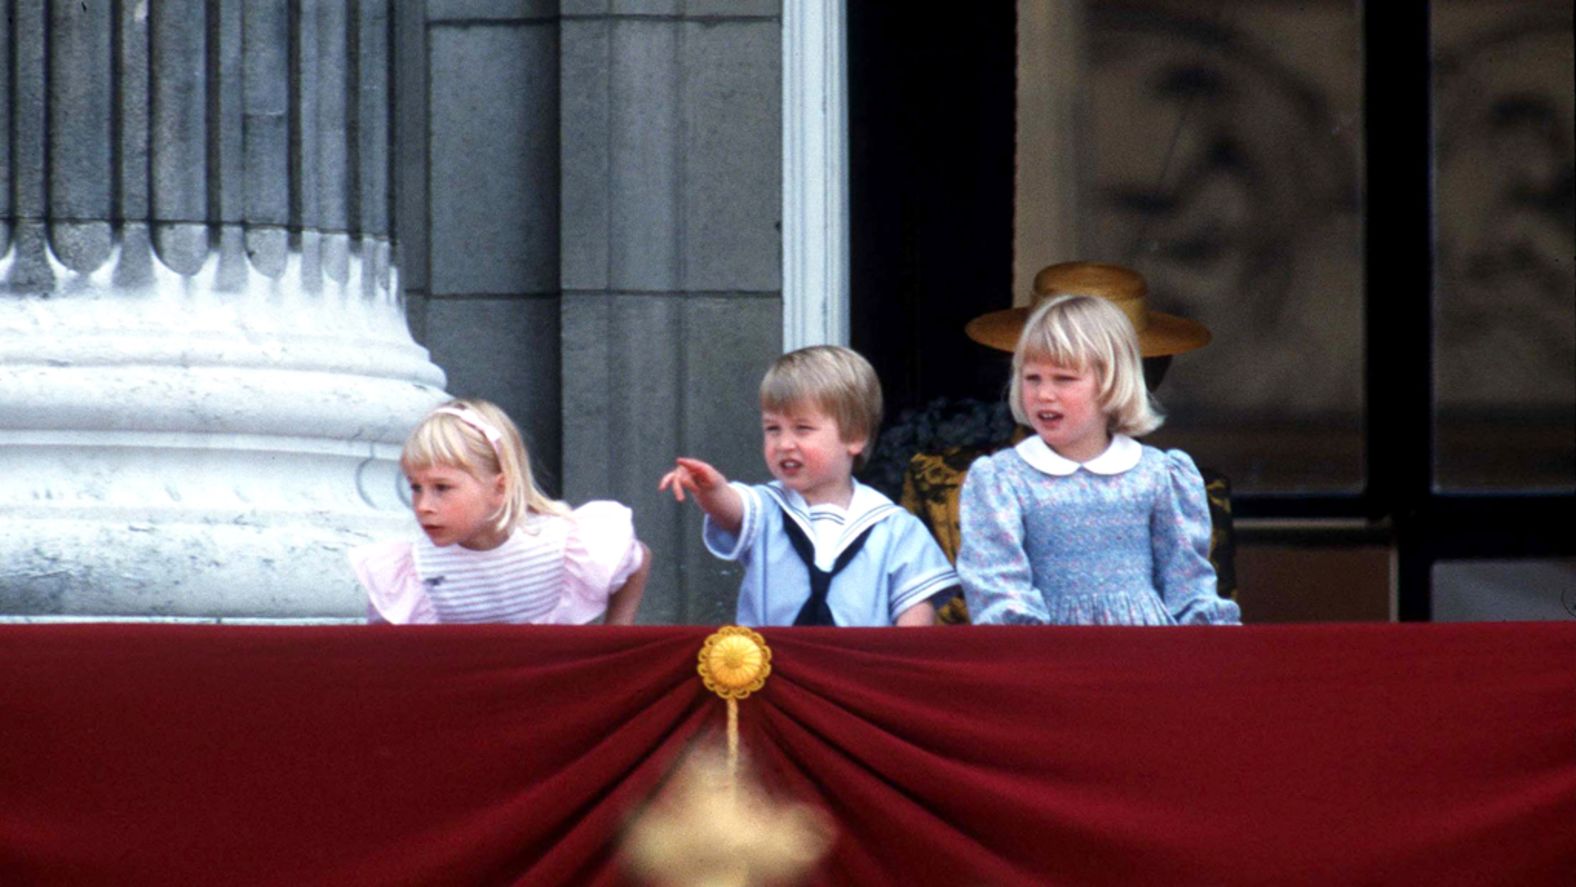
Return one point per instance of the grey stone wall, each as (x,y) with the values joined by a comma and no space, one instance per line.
(479,133)
(595,242)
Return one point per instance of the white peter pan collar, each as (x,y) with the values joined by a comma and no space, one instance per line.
(1122,455)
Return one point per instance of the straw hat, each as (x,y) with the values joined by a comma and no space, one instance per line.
(1158,334)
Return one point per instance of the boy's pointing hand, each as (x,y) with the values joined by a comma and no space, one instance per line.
(722,503)
(693,475)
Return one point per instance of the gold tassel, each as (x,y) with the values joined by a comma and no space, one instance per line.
(733,663)
(715,827)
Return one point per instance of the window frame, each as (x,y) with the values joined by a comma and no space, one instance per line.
(1399,504)
(1400,500)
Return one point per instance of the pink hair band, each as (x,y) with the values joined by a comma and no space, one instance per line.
(475,420)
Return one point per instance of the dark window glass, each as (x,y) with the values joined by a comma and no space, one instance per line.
(1505,314)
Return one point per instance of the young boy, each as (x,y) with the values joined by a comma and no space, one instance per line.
(819,548)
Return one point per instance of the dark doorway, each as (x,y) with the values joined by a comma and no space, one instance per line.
(931,106)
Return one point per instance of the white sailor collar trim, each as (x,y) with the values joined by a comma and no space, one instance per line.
(1122,455)
(867,506)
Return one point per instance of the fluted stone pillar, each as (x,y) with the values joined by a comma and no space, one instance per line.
(205,367)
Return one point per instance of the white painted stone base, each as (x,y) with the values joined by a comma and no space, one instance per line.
(198,447)
(257,560)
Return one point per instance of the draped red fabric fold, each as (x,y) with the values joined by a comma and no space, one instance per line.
(1374,754)
(1355,754)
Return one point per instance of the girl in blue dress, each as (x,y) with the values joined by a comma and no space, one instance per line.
(1080,524)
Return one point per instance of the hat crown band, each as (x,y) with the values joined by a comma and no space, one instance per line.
(1122,287)
(1135,307)
(1159,334)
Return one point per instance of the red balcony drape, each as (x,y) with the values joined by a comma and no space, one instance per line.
(1373,754)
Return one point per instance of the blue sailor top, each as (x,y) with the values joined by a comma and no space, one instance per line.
(898,566)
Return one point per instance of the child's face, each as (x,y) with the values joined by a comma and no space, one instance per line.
(1064,408)
(804,449)
(456,508)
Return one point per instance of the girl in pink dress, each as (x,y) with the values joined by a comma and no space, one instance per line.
(494,547)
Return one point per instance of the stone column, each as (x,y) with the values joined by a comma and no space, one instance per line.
(205,368)
(1047,218)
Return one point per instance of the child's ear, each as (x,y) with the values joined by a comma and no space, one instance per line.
(856,446)
(500,484)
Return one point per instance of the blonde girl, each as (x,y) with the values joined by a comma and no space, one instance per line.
(1080,523)
(494,547)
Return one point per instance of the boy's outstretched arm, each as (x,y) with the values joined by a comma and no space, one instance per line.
(722,503)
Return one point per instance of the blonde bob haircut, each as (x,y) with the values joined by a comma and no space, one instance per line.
(835,380)
(1089,333)
(477,437)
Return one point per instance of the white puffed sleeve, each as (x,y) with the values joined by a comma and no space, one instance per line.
(600,554)
(387,570)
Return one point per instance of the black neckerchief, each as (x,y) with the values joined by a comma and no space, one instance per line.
(815,610)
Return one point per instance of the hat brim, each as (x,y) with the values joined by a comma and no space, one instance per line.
(1166,333)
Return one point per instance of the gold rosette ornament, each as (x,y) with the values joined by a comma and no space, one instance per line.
(734,663)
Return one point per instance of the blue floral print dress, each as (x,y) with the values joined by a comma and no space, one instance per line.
(1122,539)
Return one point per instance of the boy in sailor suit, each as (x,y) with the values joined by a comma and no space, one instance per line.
(818,547)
